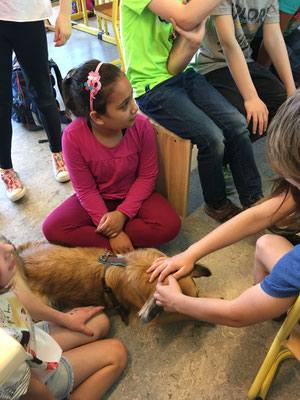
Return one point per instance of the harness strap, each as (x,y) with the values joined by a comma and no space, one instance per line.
(109,260)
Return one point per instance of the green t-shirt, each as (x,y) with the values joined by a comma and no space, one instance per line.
(147,41)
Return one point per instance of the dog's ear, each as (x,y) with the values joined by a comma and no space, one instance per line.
(149,310)
(200,270)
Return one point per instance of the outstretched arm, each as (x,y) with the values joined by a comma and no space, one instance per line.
(73,320)
(249,222)
(276,48)
(187,16)
(255,107)
(251,307)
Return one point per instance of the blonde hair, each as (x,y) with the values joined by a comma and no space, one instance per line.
(283,148)
(283,141)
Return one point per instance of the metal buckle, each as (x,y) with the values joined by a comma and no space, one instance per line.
(104,257)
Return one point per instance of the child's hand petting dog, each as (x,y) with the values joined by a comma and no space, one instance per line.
(166,296)
(77,318)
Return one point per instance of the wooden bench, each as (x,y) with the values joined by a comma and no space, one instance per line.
(174,160)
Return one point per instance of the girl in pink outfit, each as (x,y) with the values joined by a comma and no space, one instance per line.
(110,152)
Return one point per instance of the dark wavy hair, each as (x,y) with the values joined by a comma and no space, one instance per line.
(283,149)
(77,98)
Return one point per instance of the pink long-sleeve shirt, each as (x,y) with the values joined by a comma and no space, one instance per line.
(127,171)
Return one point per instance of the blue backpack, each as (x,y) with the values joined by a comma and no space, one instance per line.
(24,109)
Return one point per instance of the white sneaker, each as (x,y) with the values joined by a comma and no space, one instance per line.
(14,188)
(59,167)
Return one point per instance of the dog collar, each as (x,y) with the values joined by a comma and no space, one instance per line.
(108,261)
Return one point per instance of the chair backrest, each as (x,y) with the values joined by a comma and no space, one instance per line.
(12,355)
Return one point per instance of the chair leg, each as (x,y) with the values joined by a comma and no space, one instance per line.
(265,386)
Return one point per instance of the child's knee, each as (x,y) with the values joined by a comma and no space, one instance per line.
(263,244)
(119,354)
(100,325)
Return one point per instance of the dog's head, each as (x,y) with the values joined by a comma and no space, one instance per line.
(132,287)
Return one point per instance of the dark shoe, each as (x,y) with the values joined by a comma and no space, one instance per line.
(280,318)
(223,213)
(283,231)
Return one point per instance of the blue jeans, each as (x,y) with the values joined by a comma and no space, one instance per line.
(189,106)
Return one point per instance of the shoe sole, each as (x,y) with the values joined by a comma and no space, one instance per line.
(19,195)
(63,179)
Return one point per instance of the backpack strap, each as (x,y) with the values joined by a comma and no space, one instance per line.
(54,66)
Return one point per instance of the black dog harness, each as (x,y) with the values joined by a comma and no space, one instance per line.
(108,261)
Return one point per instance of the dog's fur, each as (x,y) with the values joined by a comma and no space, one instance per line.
(66,277)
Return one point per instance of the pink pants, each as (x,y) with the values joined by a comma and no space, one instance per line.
(69,224)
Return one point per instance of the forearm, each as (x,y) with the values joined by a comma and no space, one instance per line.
(215,311)
(181,54)
(40,311)
(65,7)
(240,71)
(247,223)
(276,48)
(186,16)
(251,307)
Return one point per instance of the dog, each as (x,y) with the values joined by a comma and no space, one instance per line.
(65,277)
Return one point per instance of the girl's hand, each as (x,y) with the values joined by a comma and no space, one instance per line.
(121,244)
(111,224)
(76,319)
(165,266)
(195,36)
(63,30)
(167,296)
(258,112)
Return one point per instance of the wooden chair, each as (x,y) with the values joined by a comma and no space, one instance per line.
(12,355)
(174,160)
(285,345)
(110,11)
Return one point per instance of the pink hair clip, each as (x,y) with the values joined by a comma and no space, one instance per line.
(93,84)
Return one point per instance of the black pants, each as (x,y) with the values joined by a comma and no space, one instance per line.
(28,40)
(270,90)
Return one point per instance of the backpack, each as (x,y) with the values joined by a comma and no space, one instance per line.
(24,109)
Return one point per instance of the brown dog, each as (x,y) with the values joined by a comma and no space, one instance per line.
(66,277)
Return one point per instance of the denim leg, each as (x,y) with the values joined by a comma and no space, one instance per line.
(169,105)
(238,148)
(188,106)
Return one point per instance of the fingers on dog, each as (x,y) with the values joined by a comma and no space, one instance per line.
(155,264)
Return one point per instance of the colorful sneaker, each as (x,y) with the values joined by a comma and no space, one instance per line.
(14,188)
(230,188)
(59,167)
(223,213)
